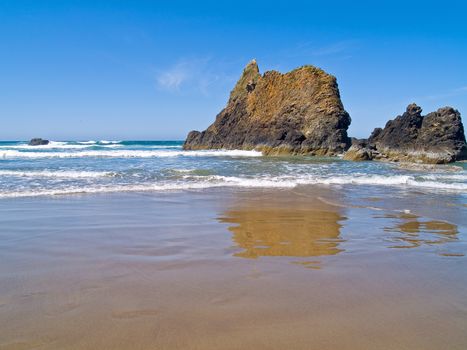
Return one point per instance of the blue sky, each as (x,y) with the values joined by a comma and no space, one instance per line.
(157,69)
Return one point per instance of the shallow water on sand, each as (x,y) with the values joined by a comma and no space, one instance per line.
(302,268)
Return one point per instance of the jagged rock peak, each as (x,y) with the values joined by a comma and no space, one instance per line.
(414,109)
(247,81)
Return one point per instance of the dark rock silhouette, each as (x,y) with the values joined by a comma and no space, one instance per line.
(38,142)
(435,138)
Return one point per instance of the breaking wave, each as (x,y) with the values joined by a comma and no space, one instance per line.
(68,174)
(59,145)
(194,182)
(128,154)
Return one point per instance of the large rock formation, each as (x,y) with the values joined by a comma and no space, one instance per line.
(299,112)
(435,138)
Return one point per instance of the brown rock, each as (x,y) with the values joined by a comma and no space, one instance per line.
(360,151)
(299,112)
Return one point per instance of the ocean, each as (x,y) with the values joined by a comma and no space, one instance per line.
(79,167)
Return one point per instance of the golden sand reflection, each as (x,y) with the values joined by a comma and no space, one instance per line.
(284,232)
(413,231)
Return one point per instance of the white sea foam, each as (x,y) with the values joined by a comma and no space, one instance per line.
(164,146)
(103,189)
(106,142)
(293,181)
(183,170)
(444,177)
(128,154)
(190,182)
(381,180)
(50,145)
(70,174)
(357,180)
(273,182)
(162,187)
(462,187)
(58,145)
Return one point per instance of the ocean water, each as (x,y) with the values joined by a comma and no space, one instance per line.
(78,167)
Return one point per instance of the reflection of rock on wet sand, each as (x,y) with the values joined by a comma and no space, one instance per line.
(416,232)
(285,231)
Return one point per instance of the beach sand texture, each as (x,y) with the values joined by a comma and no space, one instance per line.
(306,268)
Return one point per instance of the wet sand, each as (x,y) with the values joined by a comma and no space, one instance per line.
(308,268)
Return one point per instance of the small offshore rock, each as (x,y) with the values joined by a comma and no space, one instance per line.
(38,142)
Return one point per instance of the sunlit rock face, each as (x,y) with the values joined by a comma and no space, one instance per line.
(299,112)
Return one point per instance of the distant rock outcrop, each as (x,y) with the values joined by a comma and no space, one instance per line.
(435,138)
(299,112)
(38,142)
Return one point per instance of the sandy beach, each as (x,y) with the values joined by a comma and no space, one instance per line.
(303,268)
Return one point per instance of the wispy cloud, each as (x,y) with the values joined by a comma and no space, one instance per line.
(310,48)
(451,93)
(173,78)
(333,49)
(195,74)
